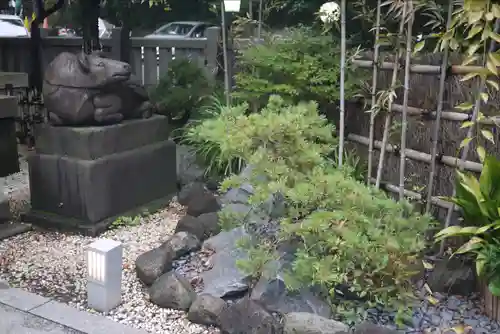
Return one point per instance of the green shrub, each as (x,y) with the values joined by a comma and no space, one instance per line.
(347,233)
(302,66)
(479,201)
(214,114)
(181,90)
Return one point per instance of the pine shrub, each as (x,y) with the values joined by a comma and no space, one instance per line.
(347,233)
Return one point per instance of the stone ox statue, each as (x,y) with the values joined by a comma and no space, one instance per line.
(81,89)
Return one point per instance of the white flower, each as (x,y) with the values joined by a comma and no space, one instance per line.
(329,12)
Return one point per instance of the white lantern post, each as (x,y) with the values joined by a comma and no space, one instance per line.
(104,264)
(230,6)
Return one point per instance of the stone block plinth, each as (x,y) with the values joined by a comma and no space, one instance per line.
(83,178)
(9,160)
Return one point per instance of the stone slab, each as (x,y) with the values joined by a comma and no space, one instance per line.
(9,156)
(9,229)
(8,106)
(5,214)
(13,321)
(89,143)
(81,321)
(94,190)
(20,299)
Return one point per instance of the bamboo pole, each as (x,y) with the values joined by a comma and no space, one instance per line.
(439,115)
(374,89)
(225,55)
(342,82)
(388,117)
(420,68)
(448,115)
(470,132)
(412,195)
(404,117)
(419,156)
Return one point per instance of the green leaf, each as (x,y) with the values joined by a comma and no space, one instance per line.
(465,142)
(469,76)
(418,47)
(493,84)
(466,124)
(471,246)
(481,153)
(466,106)
(494,287)
(488,136)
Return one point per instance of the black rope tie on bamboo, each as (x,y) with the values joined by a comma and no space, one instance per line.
(448,72)
(439,158)
(428,115)
(396,151)
(469,117)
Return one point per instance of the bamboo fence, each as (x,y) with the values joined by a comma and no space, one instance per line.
(422,166)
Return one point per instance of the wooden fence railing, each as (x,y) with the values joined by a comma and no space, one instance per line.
(149,57)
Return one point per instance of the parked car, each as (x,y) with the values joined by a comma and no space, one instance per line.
(12,26)
(181,29)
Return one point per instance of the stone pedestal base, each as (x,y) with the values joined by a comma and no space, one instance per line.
(9,160)
(84,178)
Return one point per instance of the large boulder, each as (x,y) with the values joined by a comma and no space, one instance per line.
(203,226)
(188,169)
(189,191)
(206,310)
(154,263)
(247,316)
(224,278)
(454,276)
(181,243)
(369,328)
(307,323)
(172,291)
(201,203)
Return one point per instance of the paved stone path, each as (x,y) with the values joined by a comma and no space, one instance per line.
(22,312)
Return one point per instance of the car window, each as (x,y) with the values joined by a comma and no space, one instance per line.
(199,31)
(15,22)
(175,29)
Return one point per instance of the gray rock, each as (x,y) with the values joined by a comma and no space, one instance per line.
(453,276)
(181,243)
(248,317)
(172,291)
(190,190)
(154,263)
(206,310)
(224,278)
(275,297)
(188,170)
(307,323)
(369,328)
(201,203)
(236,195)
(203,226)
(5,214)
(190,225)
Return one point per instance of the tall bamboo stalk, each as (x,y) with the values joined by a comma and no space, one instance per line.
(404,116)
(342,82)
(388,117)
(439,112)
(259,29)
(374,91)
(470,132)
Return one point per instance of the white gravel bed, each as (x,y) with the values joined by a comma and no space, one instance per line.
(53,265)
